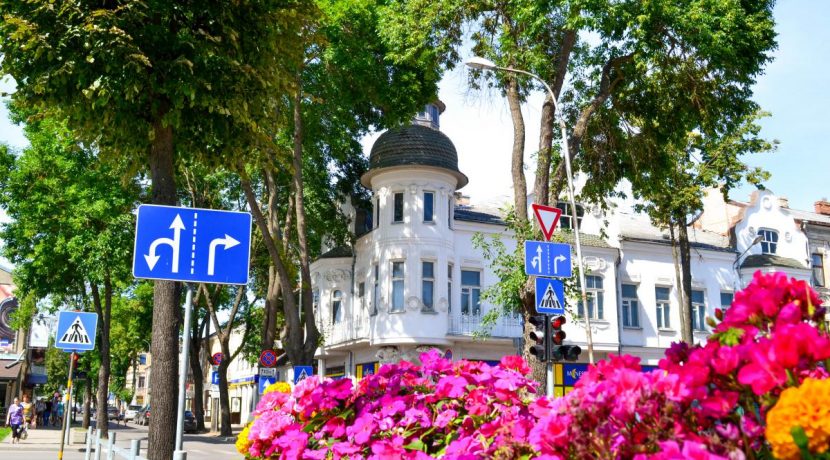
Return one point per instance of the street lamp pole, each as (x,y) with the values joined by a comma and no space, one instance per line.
(485,64)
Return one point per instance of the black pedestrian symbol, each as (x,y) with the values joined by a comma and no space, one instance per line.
(76,334)
(549,300)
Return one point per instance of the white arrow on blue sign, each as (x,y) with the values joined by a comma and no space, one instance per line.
(191,244)
(76,331)
(550,296)
(548,259)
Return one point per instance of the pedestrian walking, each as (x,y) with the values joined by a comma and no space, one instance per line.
(40,408)
(47,412)
(28,413)
(15,419)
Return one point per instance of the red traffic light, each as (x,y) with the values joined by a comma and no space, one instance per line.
(557,322)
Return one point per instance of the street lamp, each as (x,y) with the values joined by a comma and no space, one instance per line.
(479,63)
(757,240)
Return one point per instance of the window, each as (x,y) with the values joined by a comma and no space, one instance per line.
(726,299)
(433,114)
(397,286)
(818,270)
(449,288)
(449,213)
(376,220)
(470,292)
(428,285)
(593,287)
(375,293)
(398,216)
(663,308)
(336,307)
(141,381)
(630,306)
(698,311)
(566,219)
(429,206)
(769,240)
(361,292)
(315,302)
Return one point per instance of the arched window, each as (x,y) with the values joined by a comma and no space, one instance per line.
(336,307)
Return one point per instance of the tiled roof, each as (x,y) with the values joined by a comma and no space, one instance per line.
(585,239)
(337,253)
(637,227)
(809,216)
(414,145)
(771,260)
(468,214)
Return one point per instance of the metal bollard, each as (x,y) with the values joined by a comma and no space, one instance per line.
(97,445)
(135,447)
(179,455)
(110,445)
(88,453)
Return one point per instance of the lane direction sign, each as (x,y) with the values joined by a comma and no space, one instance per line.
(264,382)
(548,259)
(192,244)
(550,296)
(76,331)
(547,216)
(302,372)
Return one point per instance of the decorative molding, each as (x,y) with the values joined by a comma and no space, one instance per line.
(750,231)
(766,202)
(383,192)
(413,189)
(413,303)
(429,255)
(788,236)
(338,275)
(470,263)
(594,263)
(388,355)
(442,305)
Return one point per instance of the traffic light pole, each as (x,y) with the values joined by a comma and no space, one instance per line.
(548,358)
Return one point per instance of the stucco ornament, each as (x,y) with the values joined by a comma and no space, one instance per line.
(442,305)
(594,263)
(388,355)
(337,275)
(413,303)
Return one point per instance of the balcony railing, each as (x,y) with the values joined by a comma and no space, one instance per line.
(471,325)
(345,331)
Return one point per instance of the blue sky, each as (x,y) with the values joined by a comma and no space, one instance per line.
(793,89)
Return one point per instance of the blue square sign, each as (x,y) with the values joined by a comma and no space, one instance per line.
(76,331)
(191,244)
(550,296)
(548,259)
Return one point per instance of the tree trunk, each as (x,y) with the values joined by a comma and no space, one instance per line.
(103,311)
(224,399)
(517,168)
(542,184)
(269,324)
(197,332)
(165,335)
(686,268)
(87,403)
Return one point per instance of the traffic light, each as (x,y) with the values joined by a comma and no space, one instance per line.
(541,348)
(558,350)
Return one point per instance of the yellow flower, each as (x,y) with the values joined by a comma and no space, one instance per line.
(282,387)
(807,406)
(242,443)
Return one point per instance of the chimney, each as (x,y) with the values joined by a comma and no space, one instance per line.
(783,202)
(462,200)
(822,206)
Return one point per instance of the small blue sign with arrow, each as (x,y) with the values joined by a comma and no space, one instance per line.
(191,244)
(550,296)
(548,259)
(264,382)
(76,331)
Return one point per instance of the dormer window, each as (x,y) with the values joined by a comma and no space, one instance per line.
(566,219)
(769,241)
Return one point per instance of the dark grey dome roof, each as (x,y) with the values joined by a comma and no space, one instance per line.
(414,145)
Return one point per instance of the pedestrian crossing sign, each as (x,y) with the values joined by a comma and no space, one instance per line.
(550,296)
(76,331)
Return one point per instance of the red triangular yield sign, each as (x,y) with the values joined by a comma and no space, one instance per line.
(547,216)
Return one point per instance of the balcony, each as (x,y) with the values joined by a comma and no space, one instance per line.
(471,325)
(345,331)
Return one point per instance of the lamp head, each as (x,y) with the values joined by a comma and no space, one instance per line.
(757,240)
(477,62)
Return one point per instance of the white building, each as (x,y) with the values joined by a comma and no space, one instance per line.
(414,278)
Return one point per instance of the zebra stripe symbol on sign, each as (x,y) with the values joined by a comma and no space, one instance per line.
(77,334)
(76,331)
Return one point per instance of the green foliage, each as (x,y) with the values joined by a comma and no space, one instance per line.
(57,368)
(132,320)
(26,310)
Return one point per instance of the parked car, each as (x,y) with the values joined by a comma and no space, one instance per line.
(131,412)
(189,422)
(143,416)
(112,413)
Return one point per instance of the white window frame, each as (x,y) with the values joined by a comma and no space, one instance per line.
(698,312)
(628,305)
(428,280)
(449,287)
(768,246)
(566,219)
(468,292)
(375,292)
(393,281)
(596,299)
(336,313)
(431,218)
(663,308)
(403,207)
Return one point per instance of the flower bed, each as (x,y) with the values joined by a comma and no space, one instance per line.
(760,379)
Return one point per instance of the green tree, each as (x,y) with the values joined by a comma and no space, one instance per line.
(145,80)
(674,200)
(71,231)
(631,77)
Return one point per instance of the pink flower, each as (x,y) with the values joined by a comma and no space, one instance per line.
(450,386)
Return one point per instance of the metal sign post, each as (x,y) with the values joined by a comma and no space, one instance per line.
(188,307)
(65,423)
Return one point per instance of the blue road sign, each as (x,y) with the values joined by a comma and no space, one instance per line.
(264,382)
(191,244)
(76,331)
(214,377)
(550,296)
(302,372)
(548,259)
